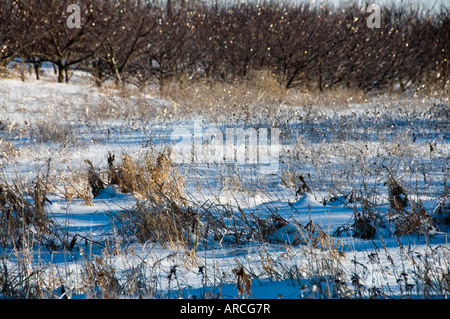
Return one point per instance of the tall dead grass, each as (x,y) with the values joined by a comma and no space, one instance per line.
(22,211)
(147,177)
(260,95)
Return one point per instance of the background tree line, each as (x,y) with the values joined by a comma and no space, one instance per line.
(317,47)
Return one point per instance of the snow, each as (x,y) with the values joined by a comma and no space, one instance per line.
(279,267)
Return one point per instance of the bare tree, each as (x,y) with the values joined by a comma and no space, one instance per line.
(57,43)
(127,27)
(14,31)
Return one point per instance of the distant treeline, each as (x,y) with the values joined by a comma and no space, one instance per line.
(316,47)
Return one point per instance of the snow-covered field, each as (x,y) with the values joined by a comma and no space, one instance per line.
(309,216)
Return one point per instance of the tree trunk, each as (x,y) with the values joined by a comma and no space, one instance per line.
(66,73)
(116,71)
(37,68)
(169,8)
(60,72)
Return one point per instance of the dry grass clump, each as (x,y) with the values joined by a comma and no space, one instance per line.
(22,215)
(268,227)
(244,283)
(367,221)
(99,279)
(442,213)
(8,150)
(416,221)
(147,177)
(4,72)
(52,132)
(398,199)
(409,217)
(96,183)
(159,214)
(75,184)
(167,224)
(401,216)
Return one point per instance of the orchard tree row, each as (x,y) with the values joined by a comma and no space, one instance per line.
(317,47)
